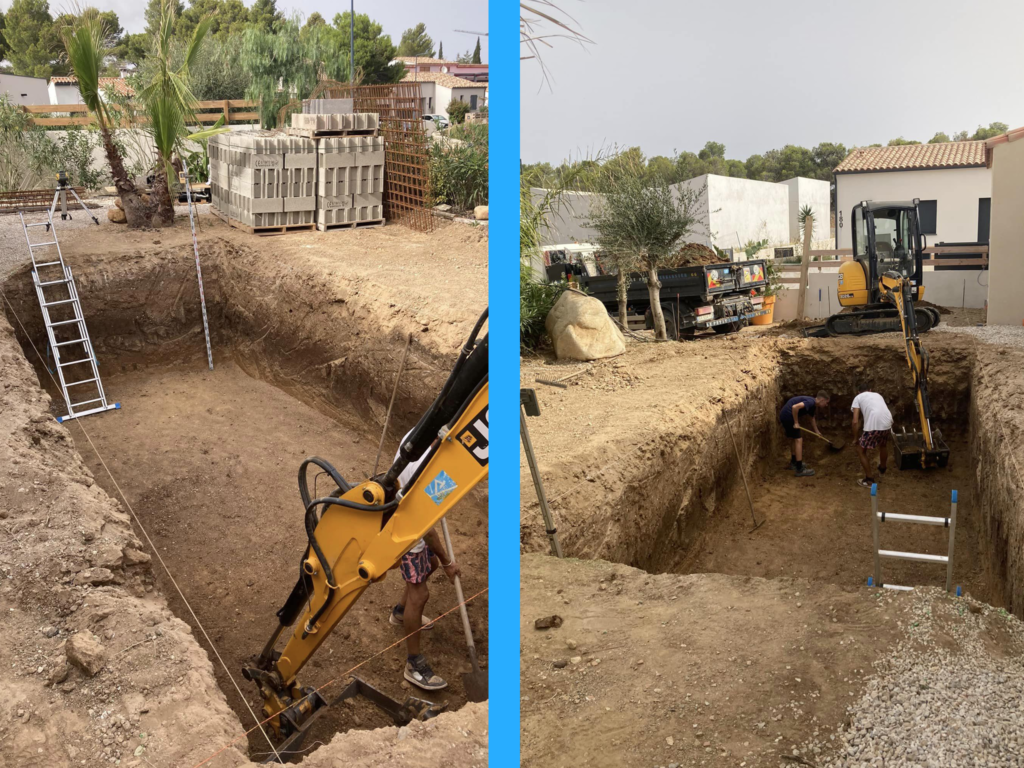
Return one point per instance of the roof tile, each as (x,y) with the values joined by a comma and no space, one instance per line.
(909,157)
(441,78)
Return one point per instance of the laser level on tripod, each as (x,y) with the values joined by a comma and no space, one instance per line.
(61,196)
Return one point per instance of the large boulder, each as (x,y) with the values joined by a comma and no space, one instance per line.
(581,329)
(480,213)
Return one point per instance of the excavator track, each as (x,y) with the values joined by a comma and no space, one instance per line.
(879,320)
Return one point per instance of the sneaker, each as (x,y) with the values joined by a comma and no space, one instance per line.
(805,472)
(398,619)
(881,469)
(792,463)
(866,482)
(420,674)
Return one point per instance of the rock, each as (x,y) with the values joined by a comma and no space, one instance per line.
(548,622)
(117,216)
(58,674)
(94,576)
(443,208)
(135,557)
(108,556)
(560,664)
(570,644)
(118,203)
(480,213)
(110,190)
(575,659)
(50,631)
(86,653)
(581,329)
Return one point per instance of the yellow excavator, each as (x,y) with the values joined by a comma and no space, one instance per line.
(886,238)
(884,280)
(358,532)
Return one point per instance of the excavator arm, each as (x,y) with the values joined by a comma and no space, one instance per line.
(925,448)
(359,532)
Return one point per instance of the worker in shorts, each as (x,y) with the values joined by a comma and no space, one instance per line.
(872,415)
(416,566)
(789,417)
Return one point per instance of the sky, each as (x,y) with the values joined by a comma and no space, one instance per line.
(396,16)
(759,74)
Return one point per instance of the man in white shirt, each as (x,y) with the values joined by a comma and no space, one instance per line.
(416,566)
(871,414)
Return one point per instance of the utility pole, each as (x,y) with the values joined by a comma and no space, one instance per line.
(352,43)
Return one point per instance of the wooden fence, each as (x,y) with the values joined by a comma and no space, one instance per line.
(836,257)
(234,111)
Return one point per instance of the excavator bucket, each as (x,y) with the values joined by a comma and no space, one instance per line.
(912,450)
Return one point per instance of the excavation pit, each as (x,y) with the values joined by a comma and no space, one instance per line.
(208,459)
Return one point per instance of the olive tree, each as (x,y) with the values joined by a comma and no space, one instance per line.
(641,220)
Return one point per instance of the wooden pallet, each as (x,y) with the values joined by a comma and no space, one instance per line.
(351,225)
(262,231)
(309,133)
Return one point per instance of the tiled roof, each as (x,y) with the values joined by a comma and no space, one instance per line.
(441,78)
(954,154)
(119,83)
(421,60)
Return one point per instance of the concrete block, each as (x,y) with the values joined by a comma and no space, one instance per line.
(334,203)
(356,121)
(327,106)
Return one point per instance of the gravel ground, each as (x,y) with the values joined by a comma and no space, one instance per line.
(14,251)
(951,694)
(1005,335)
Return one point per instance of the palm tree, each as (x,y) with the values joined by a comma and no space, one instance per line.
(85,42)
(169,103)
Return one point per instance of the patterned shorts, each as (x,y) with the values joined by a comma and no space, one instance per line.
(415,566)
(873,439)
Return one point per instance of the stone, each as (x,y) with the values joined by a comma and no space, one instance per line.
(95,577)
(117,216)
(108,556)
(58,675)
(135,557)
(118,203)
(560,664)
(86,653)
(480,213)
(581,329)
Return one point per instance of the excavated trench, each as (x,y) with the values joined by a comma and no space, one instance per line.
(208,459)
(818,528)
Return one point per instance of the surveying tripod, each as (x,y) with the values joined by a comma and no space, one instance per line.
(61,196)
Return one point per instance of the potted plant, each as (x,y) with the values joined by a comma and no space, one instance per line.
(774,277)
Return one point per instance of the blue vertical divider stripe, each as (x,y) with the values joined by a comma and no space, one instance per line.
(503,527)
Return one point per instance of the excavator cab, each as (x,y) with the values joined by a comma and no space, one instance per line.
(887,239)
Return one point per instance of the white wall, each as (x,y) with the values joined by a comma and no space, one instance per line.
(566,222)
(948,288)
(33,88)
(1006,244)
(957,191)
(742,210)
(818,195)
(63,94)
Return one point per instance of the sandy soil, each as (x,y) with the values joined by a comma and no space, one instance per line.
(323,318)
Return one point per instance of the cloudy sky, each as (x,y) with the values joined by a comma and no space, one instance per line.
(441,18)
(759,74)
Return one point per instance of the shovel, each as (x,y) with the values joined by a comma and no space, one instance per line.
(474,682)
(835,448)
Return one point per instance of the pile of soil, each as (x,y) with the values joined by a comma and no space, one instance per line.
(695,254)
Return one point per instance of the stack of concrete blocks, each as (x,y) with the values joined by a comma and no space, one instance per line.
(327,106)
(263,179)
(350,180)
(352,122)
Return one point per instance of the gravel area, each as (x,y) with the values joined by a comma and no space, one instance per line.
(14,251)
(950,694)
(1004,335)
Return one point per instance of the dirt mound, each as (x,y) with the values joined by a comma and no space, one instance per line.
(695,254)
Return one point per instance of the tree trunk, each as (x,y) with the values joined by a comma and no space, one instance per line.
(801,296)
(136,210)
(654,292)
(623,288)
(163,215)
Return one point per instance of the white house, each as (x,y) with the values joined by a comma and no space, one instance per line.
(437,89)
(1006,244)
(64,89)
(476,73)
(951,180)
(23,90)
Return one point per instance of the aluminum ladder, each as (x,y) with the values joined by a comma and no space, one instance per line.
(877,518)
(65,325)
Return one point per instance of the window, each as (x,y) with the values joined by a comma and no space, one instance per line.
(929,211)
(472,102)
(984,218)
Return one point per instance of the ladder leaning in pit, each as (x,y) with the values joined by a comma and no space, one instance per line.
(73,355)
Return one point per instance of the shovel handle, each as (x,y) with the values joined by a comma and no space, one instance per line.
(462,601)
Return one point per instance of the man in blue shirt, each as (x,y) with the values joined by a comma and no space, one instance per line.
(789,416)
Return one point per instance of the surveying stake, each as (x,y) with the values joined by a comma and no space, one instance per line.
(529,406)
(61,196)
(877,518)
(183,180)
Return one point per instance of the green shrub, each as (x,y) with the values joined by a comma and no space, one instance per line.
(535,301)
(25,151)
(457,111)
(73,152)
(458,171)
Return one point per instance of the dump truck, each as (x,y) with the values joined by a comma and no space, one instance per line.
(722,297)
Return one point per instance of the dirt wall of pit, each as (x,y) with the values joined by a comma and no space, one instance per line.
(322,318)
